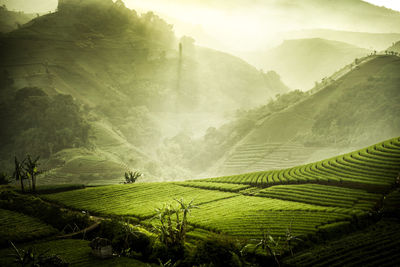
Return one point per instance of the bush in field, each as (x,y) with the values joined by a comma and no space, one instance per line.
(4,179)
(172,229)
(125,238)
(218,250)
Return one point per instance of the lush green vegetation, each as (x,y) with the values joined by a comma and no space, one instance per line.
(74,252)
(11,20)
(136,200)
(17,227)
(323,195)
(248,217)
(372,168)
(215,186)
(332,120)
(39,123)
(378,245)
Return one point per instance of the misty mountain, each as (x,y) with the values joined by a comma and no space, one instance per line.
(303,62)
(122,70)
(11,20)
(395,47)
(372,41)
(357,109)
(352,15)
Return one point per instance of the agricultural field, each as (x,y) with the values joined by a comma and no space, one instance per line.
(374,168)
(267,156)
(216,186)
(378,245)
(75,252)
(323,195)
(247,217)
(311,202)
(139,200)
(18,227)
(308,199)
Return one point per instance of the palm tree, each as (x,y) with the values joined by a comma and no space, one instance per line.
(186,209)
(31,168)
(19,173)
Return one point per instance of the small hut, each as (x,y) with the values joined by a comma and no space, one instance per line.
(101,248)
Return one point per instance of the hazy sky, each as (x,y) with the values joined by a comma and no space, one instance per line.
(210,27)
(393,4)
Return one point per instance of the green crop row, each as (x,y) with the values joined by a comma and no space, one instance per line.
(375,167)
(322,195)
(215,186)
(379,245)
(17,227)
(248,217)
(138,200)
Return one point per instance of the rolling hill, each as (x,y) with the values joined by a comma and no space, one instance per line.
(123,70)
(350,112)
(302,62)
(11,20)
(367,40)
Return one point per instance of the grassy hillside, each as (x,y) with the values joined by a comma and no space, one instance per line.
(11,20)
(303,62)
(341,115)
(395,47)
(123,70)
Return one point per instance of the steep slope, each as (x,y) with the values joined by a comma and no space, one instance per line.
(302,62)
(123,70)
(356,110)
(11,20)
(394,48)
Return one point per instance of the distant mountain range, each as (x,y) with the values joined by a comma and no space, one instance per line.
(127,72)
(358,109)
(302,62)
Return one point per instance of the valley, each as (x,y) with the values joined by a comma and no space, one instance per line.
(199,133)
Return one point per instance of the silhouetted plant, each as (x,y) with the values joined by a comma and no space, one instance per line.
(29,258)
(131,177)
(19,172)
(31,168)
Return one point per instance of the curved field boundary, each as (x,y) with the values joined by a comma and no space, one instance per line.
(374,168)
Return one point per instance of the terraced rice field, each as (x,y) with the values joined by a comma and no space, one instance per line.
(248,217)
(313,198)
(268,156)
(138,200)
(373,168)
(75,252)
(323,195)
(19,227)
(216,186)
(378,245)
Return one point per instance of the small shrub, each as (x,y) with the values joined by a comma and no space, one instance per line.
(4,179)
(131,177)
(126,239)
(218,250)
